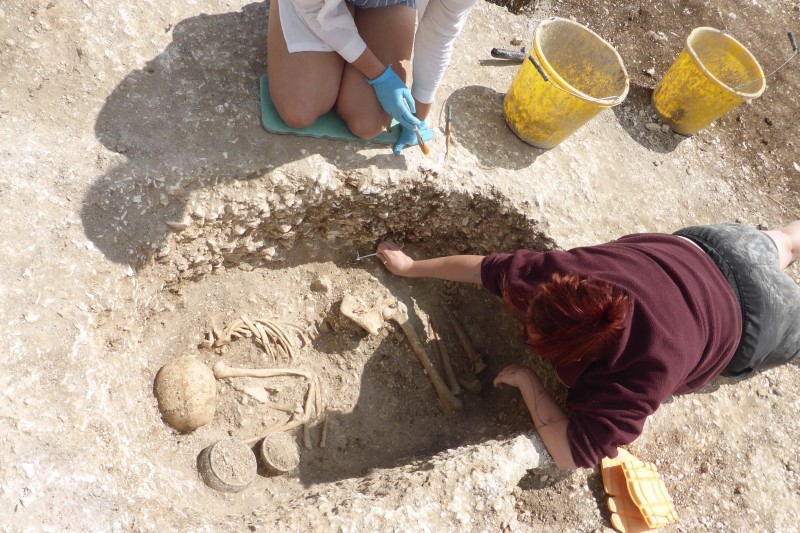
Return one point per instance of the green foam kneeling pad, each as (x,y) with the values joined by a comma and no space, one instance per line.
(328,126)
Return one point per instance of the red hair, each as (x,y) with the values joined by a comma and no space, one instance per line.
(572,318)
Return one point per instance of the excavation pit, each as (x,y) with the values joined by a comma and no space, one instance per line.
(291,259)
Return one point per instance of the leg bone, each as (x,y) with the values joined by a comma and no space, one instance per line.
(221,371)
(400,315)
(478,365)
(447,366)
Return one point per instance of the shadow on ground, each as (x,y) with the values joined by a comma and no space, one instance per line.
(191,119)
(478,124)
(397,418)
(637,111)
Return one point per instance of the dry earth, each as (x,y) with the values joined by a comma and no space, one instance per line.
(118,118)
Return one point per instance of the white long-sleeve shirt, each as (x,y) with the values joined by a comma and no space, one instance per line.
(440,23)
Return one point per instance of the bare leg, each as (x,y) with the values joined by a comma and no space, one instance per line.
(389,33)
(787,239)
(303,85)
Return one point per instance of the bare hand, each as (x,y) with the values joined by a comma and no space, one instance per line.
(516,376)
(394,259)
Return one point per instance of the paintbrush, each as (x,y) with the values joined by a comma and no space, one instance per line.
(422,145)
(447,133)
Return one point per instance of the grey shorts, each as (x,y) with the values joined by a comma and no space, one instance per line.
(770,300)
(366,4)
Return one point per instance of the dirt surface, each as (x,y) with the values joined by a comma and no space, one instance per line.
(144,206)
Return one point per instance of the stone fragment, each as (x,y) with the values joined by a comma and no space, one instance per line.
(179,225)
(321,284)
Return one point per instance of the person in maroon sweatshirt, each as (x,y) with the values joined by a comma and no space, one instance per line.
(628,323)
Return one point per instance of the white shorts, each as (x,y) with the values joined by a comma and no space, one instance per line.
(300,38)
(296,33)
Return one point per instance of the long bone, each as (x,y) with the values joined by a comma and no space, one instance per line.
(326,420)
(312,392)
(478,365)
(447,366)
(324,437)
(400,315)
(285,407)
(221,371)
(280,427)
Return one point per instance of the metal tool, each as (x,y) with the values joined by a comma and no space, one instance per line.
(447,132)
(360,257)
(513,55)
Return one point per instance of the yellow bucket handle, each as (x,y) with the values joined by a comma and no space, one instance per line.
(794,53)
(547,79)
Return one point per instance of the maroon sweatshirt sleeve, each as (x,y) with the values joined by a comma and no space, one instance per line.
(493,268)
(521,271)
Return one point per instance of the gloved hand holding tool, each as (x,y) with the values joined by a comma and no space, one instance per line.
(395,98)
(411,137)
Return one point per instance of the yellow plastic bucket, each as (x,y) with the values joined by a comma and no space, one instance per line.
(713,74)
(585,75)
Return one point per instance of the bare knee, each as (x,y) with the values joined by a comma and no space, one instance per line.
(297,115)
(360,120)
(793,231)
(787,241)
(364,126)
(300,104)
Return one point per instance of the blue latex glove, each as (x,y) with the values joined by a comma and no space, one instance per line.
(395,98)
(409,137)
